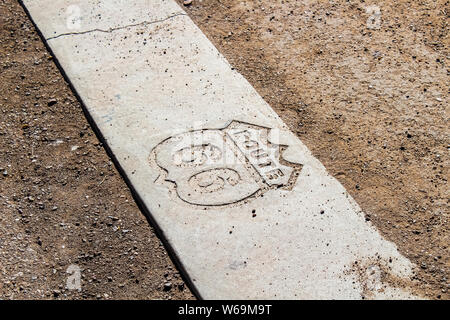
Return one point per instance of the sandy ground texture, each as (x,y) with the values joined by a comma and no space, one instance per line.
(62,201)
(368,94)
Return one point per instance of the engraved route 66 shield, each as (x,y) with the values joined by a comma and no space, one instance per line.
(216,167)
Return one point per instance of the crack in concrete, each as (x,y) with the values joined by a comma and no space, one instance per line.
(144,23)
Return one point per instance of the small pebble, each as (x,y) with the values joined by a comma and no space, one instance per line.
(52,102)
(167,286)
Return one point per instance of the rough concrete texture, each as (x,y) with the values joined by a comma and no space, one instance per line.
(186,127)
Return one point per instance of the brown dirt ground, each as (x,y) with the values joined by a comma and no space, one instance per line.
(61,206)
(371,104)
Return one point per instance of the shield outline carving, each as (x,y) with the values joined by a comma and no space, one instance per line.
(226,182)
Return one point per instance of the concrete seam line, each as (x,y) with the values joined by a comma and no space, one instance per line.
(117,28)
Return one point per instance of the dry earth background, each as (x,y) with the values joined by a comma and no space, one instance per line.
(371,104)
